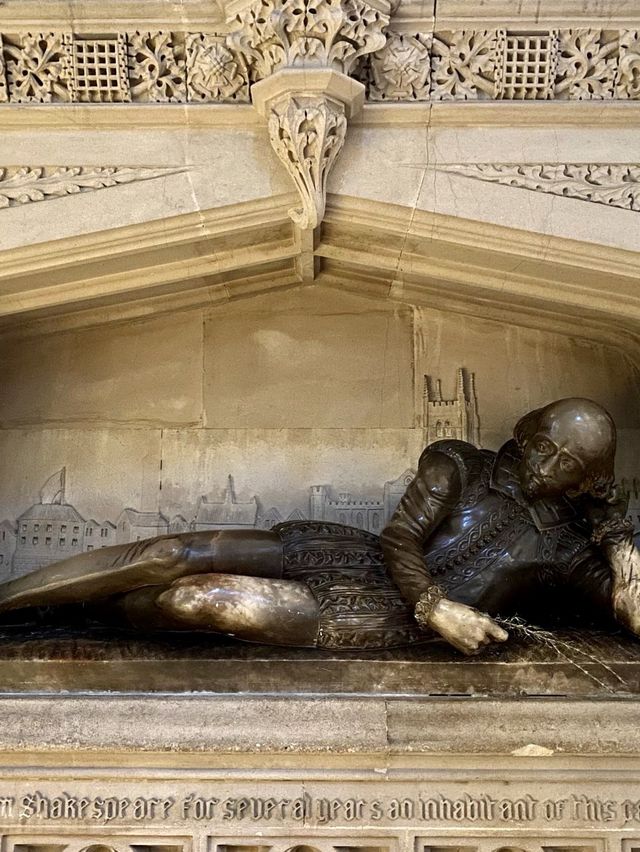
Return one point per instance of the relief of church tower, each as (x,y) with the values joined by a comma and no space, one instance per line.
(451,418)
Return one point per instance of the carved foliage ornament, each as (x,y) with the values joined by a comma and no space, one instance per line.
(39,67)
(463,64)
(587,63)
(301,33)
(614,184)
(23,184)
(571,64)
(167,67)
(157,67)
(628,76)
(4,92)
(307,133)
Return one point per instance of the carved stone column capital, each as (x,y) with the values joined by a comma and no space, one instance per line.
(280,34)
(300,54)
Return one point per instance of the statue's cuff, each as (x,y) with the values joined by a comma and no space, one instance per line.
(611,529)
(426,604)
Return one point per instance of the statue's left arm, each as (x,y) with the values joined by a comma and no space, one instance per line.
(608,573)
(623,559)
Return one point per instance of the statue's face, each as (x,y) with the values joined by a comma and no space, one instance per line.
(557,458)
(550,468)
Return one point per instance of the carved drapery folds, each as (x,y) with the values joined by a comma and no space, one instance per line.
(307,134)
(614,184)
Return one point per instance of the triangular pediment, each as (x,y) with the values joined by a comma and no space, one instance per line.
(373,250)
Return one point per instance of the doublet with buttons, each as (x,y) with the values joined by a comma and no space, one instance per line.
(464,524)
(483,542)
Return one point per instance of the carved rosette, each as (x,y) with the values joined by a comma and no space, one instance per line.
(400,71)
(307,133)
(215,72)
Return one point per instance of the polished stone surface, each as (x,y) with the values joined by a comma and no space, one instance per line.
(59,659)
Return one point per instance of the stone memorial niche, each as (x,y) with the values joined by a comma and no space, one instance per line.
(256,256)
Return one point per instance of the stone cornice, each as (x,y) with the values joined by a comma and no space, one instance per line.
(609,114)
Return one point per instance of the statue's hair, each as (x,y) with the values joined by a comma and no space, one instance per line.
(599,477)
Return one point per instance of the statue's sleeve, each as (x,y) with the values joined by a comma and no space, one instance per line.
(591,579)
(430,497)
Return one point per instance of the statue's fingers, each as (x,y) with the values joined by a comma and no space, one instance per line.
(496,633)
(467,647)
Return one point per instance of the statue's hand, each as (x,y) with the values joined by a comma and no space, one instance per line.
(464,627)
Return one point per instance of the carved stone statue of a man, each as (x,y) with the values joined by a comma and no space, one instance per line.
(477,534)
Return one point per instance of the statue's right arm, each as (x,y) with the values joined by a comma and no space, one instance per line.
(428,500)
(430,497)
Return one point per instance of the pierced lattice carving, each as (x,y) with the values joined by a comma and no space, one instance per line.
(157,70)
(400,71)
(587,64)
(100,69)
(614,184)
(307,134)
(215,71)
(526,66)
(628,76)
(463,64)
(23,184)
(39,68)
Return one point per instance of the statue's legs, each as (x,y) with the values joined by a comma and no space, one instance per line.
(100,574)
(278,612)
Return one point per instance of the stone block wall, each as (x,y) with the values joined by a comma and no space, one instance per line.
(306,402)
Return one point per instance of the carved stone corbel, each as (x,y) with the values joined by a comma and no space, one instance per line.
(301,53)
(307,114)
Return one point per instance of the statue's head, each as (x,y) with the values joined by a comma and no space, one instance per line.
(568,447)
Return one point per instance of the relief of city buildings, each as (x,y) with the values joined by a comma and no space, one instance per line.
(53,529)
